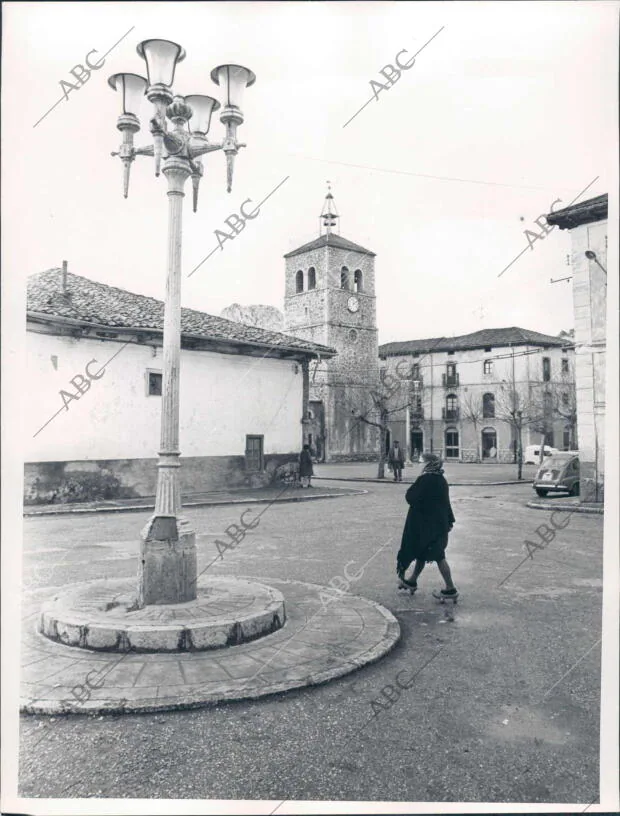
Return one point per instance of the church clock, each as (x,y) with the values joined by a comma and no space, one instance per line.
(353,304)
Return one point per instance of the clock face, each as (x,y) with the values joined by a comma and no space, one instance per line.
(353,304)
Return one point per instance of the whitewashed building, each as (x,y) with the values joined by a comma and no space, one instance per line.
(95,361)
(466,397)
(587,222)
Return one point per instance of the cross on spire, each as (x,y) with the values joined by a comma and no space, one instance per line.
(329,214)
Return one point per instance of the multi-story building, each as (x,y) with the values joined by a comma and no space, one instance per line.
(587,222)
(470,398)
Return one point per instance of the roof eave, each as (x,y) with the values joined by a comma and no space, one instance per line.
(290,351)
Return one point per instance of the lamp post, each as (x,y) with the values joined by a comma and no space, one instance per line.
(167,570)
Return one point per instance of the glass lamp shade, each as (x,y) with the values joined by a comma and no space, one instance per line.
(132,88)
(202,107)
(161,57)
(233,80)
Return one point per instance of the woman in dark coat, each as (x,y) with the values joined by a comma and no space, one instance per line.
(428,523)
(306,470)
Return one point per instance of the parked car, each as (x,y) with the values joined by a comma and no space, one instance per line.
(559,472)
(531,455)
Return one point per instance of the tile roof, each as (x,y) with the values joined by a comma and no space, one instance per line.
(332,240)
(585,212)
(106,306)
(513,336)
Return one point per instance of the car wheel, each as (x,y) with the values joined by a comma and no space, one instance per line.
(575,489)
(541,492)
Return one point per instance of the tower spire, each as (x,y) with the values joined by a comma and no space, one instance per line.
(329,215)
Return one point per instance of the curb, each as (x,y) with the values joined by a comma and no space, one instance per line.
(138,508)
(575,508)
(230,691)
(406,481)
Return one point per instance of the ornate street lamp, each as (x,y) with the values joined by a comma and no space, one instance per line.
(167,569)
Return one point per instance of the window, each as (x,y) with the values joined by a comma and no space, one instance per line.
(312,278)
(450,352)
(416,405)
(254,453)
(299,281)
(566,438)
(357,281)
(488,348)
(353,336)
(154,383)
(488,406)
(546,365)
(451,378)
(415,371)
(489,443)
(452,407)
(487,367)
(548,407)
(452,443)
(344,278)
(565,368)
(565,399)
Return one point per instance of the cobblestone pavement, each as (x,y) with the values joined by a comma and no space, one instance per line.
(501,705)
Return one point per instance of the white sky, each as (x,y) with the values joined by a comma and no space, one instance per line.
(520,96)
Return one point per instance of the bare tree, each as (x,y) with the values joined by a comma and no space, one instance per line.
(379,412)
(471,411)
(515,406)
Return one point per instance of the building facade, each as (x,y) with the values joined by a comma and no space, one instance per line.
(330,299)
(475,397)
(587,222)
(95,352)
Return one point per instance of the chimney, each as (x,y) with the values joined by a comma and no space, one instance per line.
(64,278)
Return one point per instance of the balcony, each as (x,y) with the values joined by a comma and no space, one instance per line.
(416,413)
(450,414)
(449,380)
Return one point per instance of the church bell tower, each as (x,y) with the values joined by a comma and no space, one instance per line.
(330,299)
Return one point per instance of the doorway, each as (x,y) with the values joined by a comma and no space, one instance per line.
(416,443)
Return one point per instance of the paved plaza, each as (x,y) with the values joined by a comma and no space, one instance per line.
(501,704)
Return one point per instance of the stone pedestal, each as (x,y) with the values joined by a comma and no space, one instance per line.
(167,570)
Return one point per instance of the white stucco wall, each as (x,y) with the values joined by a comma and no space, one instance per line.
(223,398)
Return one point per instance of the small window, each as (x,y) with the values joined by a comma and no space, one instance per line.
(254,453)
(546,366)
(299,281)
(344,278)
(154,383)
(353,336)
(415,371)
(488,349)
(487,367)
(312,278)
(358,279)
(565,399)
(450,353)
(488,406)
(565,368)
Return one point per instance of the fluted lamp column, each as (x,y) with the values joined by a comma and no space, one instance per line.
(167,571)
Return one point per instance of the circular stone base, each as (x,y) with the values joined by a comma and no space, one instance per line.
(102,615)
(327,635)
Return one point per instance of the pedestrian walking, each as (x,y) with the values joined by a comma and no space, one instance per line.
(396,461)
(429,521)
(306,470)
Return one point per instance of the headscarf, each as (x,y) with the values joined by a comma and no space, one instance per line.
(433,463)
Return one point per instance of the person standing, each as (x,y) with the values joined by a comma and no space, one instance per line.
(429,521)
(396,460)
(306,470)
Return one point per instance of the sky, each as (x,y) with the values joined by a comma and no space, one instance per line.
(508,108)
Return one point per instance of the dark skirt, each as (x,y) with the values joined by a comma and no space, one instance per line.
(428,548)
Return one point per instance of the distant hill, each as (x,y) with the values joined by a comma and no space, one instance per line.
(263,317)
